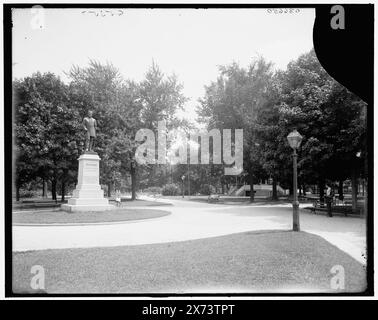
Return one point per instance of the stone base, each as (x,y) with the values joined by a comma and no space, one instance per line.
(88,195)
(83,207)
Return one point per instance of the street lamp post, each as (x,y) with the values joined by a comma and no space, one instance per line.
(295,139)
(193,145)
(188,181)
(183,186)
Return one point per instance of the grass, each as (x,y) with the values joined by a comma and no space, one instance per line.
(245,262)
(343,210)
(51,217)
(40,203)
(143,203)
(257,201)
(229,200)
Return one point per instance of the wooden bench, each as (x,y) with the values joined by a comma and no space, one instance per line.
(337,206)
(319,206)
(36,205)
(213,197)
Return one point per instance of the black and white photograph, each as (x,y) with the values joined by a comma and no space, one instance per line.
(188,151)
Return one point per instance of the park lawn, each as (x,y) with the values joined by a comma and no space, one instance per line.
(143,203)
(249,262)
(63,217)
(224,200)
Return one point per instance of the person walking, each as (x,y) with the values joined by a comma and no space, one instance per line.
(118,198)
(329,199)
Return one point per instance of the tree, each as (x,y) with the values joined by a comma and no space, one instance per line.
(233,102)
(160,96)
(46,130)
(115,104)
(329,117)
(272,144)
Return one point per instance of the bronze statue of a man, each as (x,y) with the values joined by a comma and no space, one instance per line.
(90,126)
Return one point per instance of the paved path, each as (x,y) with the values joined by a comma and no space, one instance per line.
(194,220)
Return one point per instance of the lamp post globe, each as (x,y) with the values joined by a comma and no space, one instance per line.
(294,138)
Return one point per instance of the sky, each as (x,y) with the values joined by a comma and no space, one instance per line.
(191,43)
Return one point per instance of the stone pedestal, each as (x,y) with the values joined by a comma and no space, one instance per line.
(88,195)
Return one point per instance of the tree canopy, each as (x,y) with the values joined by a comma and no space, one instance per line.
(266,103)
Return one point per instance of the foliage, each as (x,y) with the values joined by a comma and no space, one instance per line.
(328,116)
(153,190)
(267,105)
(28,193)
(207,189)
(46,130)
(171,190)
(234,101)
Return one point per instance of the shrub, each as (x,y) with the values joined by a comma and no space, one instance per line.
(207,189)
(171,190)
(28,193)
(153,190)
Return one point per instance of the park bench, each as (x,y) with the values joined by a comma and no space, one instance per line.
(213,198)
(31,204)
(337,206)
(318,206)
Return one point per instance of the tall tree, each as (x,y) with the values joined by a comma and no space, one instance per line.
(233,102)
(329,117)
(160,96)
(100,87)
(46,130)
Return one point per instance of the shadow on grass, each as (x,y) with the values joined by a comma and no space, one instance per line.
(62,217)
(263,261)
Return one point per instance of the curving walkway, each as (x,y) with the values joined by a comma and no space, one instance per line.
(193,220)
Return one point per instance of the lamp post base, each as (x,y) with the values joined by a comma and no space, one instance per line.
(296,226)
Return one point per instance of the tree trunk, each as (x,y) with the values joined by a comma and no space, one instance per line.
(133,181)
(366,197)
(44,188)
(321,186)
(274,189)
(53,189)
(252,192)
(341,190)
(366,162)
(354,189)
(63,185)
(18,192)
(54,181)
(109,189)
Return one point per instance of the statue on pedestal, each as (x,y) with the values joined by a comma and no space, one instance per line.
(90,126)
(88,195)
